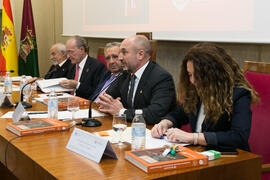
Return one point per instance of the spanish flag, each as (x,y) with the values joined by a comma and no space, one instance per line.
(9,57)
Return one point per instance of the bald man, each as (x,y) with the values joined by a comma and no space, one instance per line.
(61,65)
(148,87)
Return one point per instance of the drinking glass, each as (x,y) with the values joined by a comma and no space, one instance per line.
(119,125)
(27,92)
(73,106)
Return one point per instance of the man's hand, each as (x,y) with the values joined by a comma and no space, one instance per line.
(69,84)
(109,105)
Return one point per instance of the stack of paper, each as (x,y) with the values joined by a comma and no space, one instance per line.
(48,85)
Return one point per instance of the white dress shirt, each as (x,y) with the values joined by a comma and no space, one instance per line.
(138,75)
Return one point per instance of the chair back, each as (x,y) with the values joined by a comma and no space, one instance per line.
(258,75)
(101,56)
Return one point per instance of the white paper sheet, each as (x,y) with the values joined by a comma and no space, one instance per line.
(18,78)
(46,96)
(82,113)
(150,141)
(52,84)
(14,88)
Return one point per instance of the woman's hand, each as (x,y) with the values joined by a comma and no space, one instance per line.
(159,129)
(178,135)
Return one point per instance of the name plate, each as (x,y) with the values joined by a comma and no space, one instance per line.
(90,145)
(19,113)
(5,101)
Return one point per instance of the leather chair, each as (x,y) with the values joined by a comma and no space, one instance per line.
(258,74)
(101,56)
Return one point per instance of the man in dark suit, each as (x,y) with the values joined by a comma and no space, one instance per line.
(115,70)
(61,65)
(148,87)
(86,71)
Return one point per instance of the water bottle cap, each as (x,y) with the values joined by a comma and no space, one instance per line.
(138,111)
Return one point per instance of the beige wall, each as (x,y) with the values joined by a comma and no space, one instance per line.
(48,23)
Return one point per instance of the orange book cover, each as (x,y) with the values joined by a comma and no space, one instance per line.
(22,128)
(152,160)
(62,102)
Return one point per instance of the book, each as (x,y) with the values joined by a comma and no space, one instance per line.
(63,102)
(153,160)
(47,85)
(22,128)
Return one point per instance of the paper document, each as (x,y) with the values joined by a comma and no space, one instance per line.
(82,113)
(48,85)
(14,88)
(126,137)
(41,97)
(18,78)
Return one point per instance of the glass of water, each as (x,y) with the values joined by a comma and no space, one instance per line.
(27,92)
(73,105)
(119,126)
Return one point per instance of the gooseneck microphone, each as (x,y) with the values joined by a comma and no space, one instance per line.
(24,103)
(90,121)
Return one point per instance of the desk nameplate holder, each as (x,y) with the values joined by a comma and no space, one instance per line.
(5,101)
(90,145)
(19,113)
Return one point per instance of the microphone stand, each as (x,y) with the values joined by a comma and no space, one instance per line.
(24,103)
(90,121)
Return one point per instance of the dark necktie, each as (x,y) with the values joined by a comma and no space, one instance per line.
(131,90)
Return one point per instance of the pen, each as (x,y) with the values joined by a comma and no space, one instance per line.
(43,112)
(162,136)
(57,94)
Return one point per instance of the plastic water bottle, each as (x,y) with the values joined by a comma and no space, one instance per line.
(138,131)
(8,85)
(52,106)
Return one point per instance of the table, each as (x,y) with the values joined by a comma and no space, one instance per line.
(44,156)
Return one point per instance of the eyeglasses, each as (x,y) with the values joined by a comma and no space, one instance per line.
(113,56)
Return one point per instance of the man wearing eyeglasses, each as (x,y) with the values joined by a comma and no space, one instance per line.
(115,72)
(148,86)
(86,71)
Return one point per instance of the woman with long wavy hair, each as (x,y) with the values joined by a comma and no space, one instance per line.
(215,99)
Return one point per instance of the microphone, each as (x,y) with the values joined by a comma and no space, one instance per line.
(10,71)
(24,103)
(90,121)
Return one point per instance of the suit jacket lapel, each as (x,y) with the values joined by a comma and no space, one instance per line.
(124,89)
(143,81)
(85,69)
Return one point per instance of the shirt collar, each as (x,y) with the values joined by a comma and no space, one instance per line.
(61,64)
(140,71)
(81,65)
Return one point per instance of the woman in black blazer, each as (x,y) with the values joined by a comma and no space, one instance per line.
(215,99)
